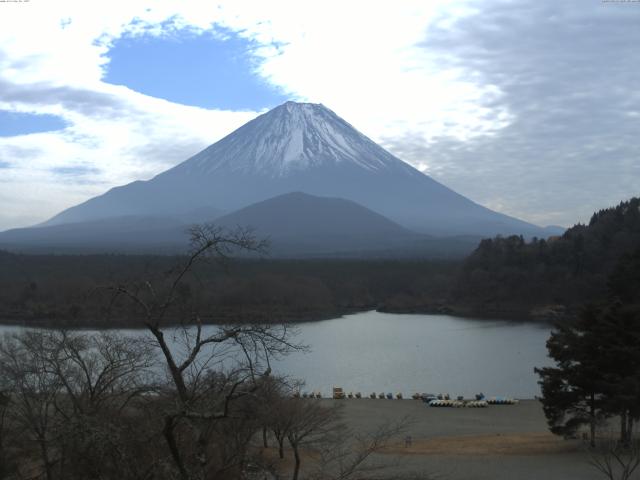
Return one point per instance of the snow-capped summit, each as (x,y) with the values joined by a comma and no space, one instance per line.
(293,136)
(299,147)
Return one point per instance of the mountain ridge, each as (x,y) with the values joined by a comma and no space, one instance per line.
(289,137)
(301,147)
(312,225)
(297,224)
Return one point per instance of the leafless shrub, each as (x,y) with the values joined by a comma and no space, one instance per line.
(614,460)
(66,393)
(346,454)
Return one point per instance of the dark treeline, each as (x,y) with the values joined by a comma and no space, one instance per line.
(68,289)
(509,274)
(505,277)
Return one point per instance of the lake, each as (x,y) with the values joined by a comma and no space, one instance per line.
(375,352)
(384,352)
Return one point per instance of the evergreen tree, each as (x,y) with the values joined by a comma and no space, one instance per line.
(508,273)
(572,392)
(598,361)
(619,328)
(624,282)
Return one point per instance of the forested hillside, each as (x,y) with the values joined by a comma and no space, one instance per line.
(507,274)
(72,289)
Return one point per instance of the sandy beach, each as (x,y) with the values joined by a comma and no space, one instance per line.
(498,442)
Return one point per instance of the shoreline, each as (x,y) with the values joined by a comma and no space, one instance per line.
(247,319)
(235,317)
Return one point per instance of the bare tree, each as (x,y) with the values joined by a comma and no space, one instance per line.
(346,454)
(213,371)
(273,391)
(32,391)
(102,406)
(186,401)
(275,413)
(615,460)
(100,371)
(101,375)
(68,392)
(7,466)
(307,422)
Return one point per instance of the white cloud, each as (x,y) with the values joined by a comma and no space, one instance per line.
(51,61)
(359,59)
(380,65)
(370,64)
(118,136)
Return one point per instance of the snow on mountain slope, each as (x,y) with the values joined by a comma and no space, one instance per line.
(301,147)
(293,136)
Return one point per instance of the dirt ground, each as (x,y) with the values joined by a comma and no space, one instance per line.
(498,442)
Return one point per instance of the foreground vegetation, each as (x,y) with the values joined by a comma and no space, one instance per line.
(172,404)
(596,379)
(179,403)
(597,375)
(77,406)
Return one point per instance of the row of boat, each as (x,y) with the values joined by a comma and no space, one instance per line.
(434,400)
(316,394)
(459,404)
(339,394)
(445,400)
(472,403)
(501,401)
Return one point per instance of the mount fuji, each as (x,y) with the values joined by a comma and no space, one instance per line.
(296,147)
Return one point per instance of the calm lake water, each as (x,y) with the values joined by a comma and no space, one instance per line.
(374,352)
(381,352)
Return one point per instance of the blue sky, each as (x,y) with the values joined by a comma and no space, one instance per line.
(15,123)
(529,108)
(205,70)
(208,70)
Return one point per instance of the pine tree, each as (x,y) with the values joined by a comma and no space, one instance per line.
(598,361)
(620,332)
(572,392)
